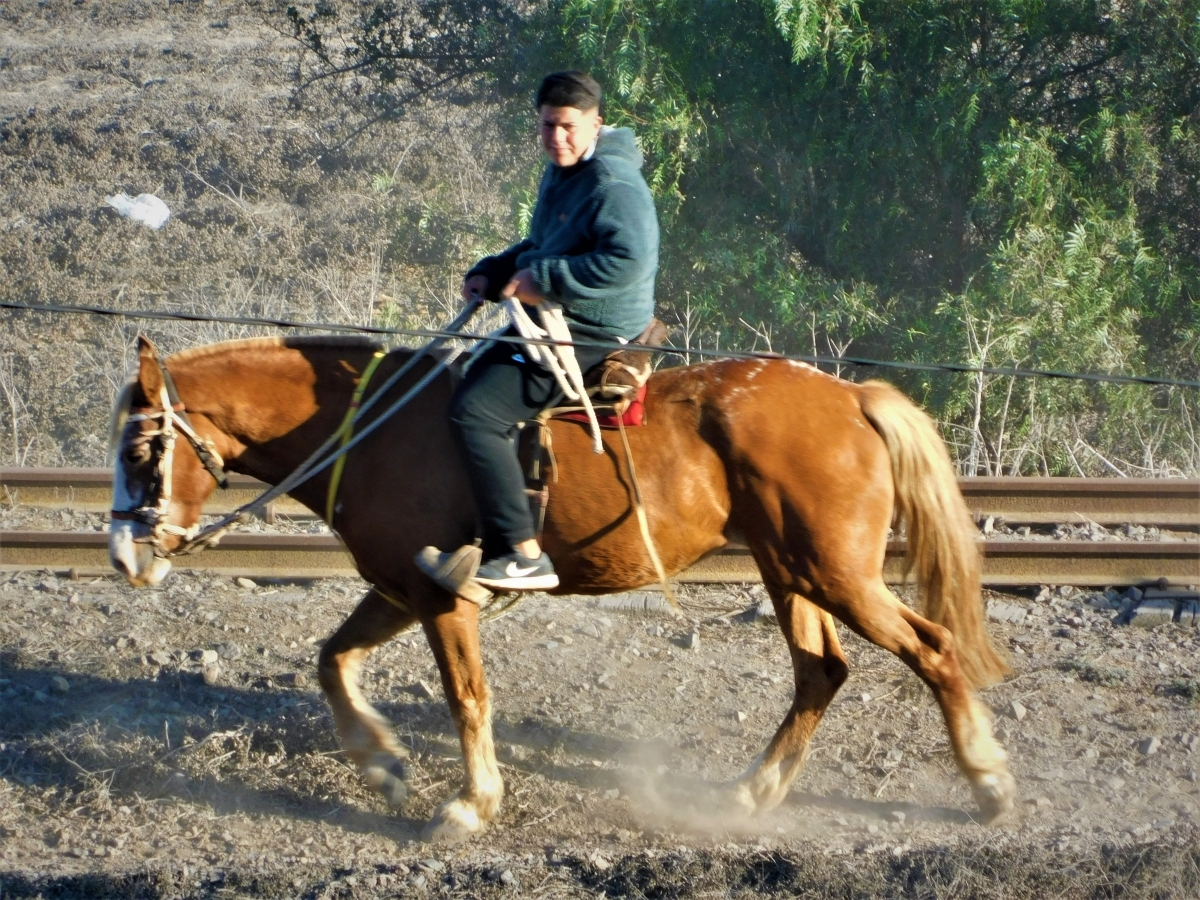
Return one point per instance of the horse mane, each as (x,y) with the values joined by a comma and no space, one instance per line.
(299,341)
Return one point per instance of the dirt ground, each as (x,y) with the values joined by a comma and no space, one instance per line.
(122,772)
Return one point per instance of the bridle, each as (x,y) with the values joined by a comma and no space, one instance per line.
(156,499)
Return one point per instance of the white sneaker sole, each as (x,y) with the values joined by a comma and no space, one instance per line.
(531,583)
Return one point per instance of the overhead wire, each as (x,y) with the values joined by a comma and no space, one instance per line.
(686,352)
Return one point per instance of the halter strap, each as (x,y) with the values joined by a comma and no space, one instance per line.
(346,430)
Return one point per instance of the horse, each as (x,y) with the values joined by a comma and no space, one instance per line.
(809,470)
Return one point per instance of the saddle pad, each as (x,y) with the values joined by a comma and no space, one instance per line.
(634,416)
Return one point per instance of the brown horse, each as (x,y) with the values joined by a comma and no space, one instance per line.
(808,469)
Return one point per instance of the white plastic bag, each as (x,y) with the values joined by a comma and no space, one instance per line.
(144,208)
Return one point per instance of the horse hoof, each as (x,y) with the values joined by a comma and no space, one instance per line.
(455,821)
(387,774)
(994,794)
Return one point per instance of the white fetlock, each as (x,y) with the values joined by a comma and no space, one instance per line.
(454,821)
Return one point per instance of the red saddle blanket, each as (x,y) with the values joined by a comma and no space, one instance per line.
(634,415)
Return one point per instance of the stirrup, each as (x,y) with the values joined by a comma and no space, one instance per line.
(455,571)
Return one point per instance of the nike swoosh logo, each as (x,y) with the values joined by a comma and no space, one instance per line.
(515,570)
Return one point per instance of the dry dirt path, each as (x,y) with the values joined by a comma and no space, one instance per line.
(122,770)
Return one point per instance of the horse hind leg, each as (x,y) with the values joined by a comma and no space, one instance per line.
(366,736)
(928,649)
(820,669)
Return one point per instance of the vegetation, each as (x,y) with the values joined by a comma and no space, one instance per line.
(1006,183)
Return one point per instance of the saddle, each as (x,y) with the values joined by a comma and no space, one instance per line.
(617,386)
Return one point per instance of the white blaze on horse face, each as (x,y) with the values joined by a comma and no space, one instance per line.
(128,550)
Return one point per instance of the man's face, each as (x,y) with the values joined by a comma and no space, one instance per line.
(567,132)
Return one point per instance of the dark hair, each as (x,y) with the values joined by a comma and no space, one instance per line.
(569,89)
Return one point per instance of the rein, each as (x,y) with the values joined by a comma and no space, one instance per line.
(196,538)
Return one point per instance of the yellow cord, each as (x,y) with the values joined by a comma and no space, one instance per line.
(346,430)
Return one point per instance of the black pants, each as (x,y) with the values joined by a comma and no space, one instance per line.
(500,390)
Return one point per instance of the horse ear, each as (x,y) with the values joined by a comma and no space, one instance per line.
(150,376)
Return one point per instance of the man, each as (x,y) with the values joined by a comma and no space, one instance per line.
(593,250)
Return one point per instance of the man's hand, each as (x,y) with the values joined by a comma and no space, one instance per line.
(475,285)
(522,288)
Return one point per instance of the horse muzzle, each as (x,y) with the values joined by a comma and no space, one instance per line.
(132,554)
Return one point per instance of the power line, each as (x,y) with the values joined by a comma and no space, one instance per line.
(430,333)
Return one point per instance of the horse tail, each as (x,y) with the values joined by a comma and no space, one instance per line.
(942,539)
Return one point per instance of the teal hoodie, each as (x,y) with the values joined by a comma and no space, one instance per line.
(593,242)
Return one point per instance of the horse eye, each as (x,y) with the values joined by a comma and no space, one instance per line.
(137,453)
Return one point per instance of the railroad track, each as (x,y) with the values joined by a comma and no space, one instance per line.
(1172,504)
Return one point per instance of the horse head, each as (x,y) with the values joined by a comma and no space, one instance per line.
(159,483)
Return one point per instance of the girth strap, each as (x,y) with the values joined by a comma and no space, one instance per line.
(346,431)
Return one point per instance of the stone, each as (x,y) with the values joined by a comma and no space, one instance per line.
(898,816)
(849,769)
(507,878)
(229,650)
(160,657)
(108,609)
(692,641)
(999,611)
(59,685)
(49,585)
(1149,746)
(425,690)
(211,672)
(740,716)
(612,794)
(295,679)
(245,583)
(1017,710)
(204,656)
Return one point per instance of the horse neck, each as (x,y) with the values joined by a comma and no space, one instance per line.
(272,404)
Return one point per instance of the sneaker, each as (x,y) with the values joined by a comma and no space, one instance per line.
(517,572)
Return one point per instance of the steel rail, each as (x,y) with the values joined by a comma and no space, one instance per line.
(1005,562)
(1162,502)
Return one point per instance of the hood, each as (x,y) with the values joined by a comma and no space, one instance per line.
(618,144)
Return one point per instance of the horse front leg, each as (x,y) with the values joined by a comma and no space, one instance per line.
(366,736)
(454,639)
(819,666)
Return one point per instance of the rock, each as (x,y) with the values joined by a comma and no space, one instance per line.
(692,641)
(424,690)
(1017,710)
(998,611)
(898,816)
(849,769)
(296,679)
(1149,746)
(590,630)
(211,672)
(433,866)
(49,585)
(121,643)
(508,878)
(245,583)
(59,685)
(229,650)
(612,794)
(160,657)
(203,656)
(108,609)
(895,756)
(740,716)
(1116,782)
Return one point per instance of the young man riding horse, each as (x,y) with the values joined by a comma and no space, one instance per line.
(593,250)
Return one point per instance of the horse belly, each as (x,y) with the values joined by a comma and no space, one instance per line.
(591,528)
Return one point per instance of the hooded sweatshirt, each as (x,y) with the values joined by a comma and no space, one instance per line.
(593,243)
